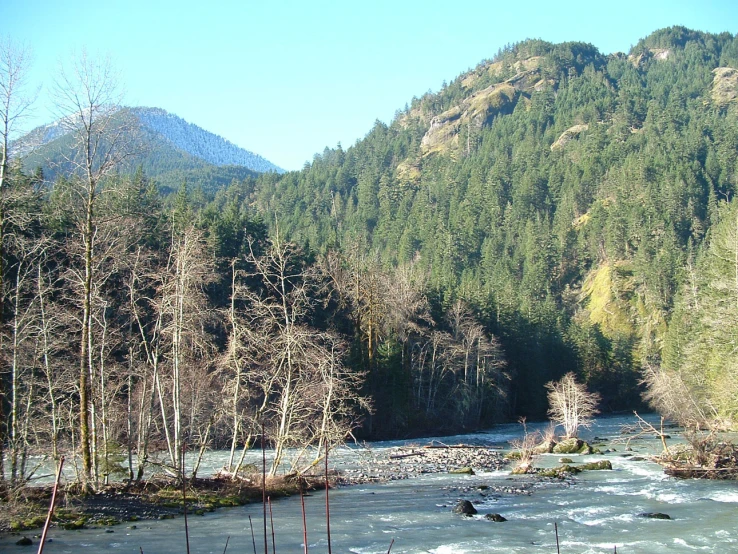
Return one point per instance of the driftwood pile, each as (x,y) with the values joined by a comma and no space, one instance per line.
(707,456)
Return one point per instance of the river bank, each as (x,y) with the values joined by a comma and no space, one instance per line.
(162,499)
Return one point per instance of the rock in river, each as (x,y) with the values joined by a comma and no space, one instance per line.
(464,507)
(654,515)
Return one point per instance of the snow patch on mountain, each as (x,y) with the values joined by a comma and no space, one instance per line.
(200,143)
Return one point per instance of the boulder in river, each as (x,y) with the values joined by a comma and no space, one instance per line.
(546,447)
(572,446)
(462,471)
(654,515)
(495,517)
(464,507)
(602,464)
(522,468)
(25,541)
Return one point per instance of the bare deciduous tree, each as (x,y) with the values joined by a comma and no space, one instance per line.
(14,104)
(183,311)
(570,404)
(308,397)
(667,392)
(87,97)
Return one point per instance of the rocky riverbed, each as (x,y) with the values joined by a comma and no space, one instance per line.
(409,461)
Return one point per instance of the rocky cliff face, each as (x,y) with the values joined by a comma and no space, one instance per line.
(725,86)
(477,109)
(567,136)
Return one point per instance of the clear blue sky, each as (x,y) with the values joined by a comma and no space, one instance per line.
(286,78)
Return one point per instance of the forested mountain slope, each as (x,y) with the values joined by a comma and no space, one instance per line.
(172,151)
(563,193)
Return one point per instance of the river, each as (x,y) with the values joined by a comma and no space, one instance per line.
(595,512)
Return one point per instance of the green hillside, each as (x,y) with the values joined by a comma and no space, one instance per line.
(560,191)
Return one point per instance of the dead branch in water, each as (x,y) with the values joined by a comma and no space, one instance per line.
(643,428)
(411,454)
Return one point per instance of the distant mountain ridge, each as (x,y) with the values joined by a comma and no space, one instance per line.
(200,143)
(176,151)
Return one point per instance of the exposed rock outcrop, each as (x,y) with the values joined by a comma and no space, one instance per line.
(660,54)
(725,86)
(567,136)
(474,111)
(407,173)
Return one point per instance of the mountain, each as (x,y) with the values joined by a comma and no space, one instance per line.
(562,192)
(175,151)
(198,142)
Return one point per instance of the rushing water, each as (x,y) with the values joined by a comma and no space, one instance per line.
(595,512)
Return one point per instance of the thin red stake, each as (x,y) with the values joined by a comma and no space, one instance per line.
(304,521)
(253,539)
(263,487)
(51,506)
(271,521)
(184,499)
(327,503)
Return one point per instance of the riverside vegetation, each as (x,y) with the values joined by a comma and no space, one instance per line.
(552,210)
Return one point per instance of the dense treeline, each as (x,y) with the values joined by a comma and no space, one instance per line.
(203,332)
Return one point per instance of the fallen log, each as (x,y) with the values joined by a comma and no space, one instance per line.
(450,446)
(398,456)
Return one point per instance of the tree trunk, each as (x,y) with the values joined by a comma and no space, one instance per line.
(84,354)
